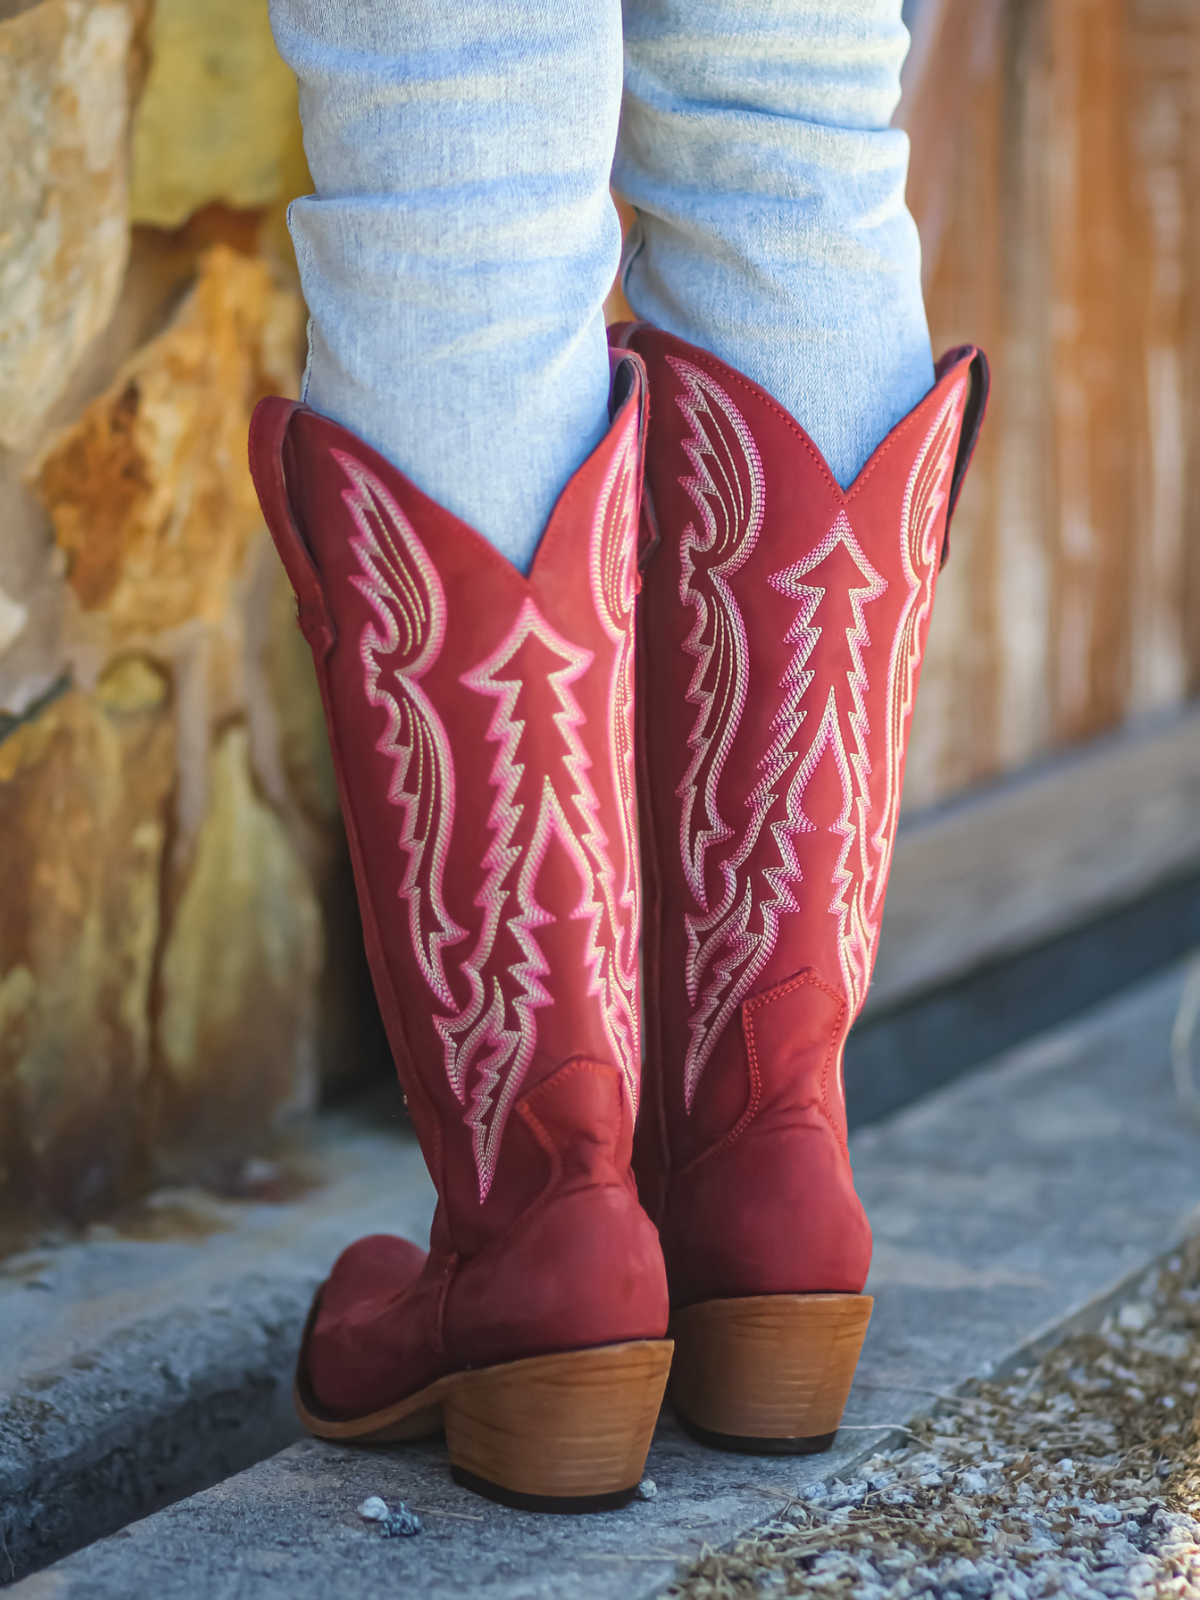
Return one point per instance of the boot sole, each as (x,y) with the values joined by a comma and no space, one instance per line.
(567,1432)
(770,1374)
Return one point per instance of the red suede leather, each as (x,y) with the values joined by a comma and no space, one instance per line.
(782,623)
(481,729)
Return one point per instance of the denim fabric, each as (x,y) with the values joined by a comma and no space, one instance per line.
(461,239)
(769,188)
(456,254)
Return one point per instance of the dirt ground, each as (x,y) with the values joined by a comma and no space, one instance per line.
(1078,1477)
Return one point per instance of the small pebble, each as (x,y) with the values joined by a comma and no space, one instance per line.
(395,1522)
(1134,1317)
(647,1489)
(401,1523)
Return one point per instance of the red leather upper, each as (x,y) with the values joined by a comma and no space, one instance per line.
(782,626)
(481,728)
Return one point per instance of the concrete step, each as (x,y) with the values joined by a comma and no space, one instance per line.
(1008,1208)
(1016,908)
(1052,848)
(152,1358)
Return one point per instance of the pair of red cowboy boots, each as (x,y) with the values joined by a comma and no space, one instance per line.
(496,765)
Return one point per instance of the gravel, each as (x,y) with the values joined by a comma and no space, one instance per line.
(1079,1477)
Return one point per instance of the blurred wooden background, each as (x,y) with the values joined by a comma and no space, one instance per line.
(1056,182)
(179,966)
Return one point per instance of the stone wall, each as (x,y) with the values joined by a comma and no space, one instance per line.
(180,966)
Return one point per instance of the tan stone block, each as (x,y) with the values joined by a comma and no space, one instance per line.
(64,231)
(13,617)
(303,741)
(239,972)
(149,492)
(218,120)
(85,791)
(293,764)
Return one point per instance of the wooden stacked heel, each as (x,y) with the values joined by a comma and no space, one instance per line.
(567,1432)
(768,1375)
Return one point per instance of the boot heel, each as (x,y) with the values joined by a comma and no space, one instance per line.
(566,1432)
(768,1375)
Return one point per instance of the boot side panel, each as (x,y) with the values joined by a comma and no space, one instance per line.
(784,627)
(583,1265)
(473,715)
(580,1267)
(771,1208)
(785,624)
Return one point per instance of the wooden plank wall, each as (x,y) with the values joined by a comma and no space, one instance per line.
(1056,182)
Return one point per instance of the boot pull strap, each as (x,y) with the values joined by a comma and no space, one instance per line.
(268,438)
(649,538)
(973,412)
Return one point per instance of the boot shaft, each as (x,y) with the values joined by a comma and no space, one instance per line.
(481,730)
(783,623)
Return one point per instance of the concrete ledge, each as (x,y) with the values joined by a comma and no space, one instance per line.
(1007,1208)
(897,1054)
(996,873)
(134,1371)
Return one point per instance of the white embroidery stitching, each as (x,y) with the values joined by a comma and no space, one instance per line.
(613,591)
(726,487)
(855,932)
(925,496)
(511,1048)
(727,491)
(736,952)
(405,594)
(722,945)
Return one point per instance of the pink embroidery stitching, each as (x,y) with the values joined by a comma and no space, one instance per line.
(613,592)
(727,488)
(495,1030)
(736,950)
(729,944)
(511,1049)
(727,491)
(921,524)
(405,594)
(855,935)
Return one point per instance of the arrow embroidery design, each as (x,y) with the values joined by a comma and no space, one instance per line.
(490,1037)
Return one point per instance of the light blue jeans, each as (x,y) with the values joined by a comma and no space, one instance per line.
(461,240)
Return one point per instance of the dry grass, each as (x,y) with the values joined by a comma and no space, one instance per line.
(1079,1477)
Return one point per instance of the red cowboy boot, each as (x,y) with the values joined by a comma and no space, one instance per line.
(781,625)
(481,728)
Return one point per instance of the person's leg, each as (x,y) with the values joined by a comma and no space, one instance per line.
(769,188)
(782,624)
(456,257)
(456,253)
